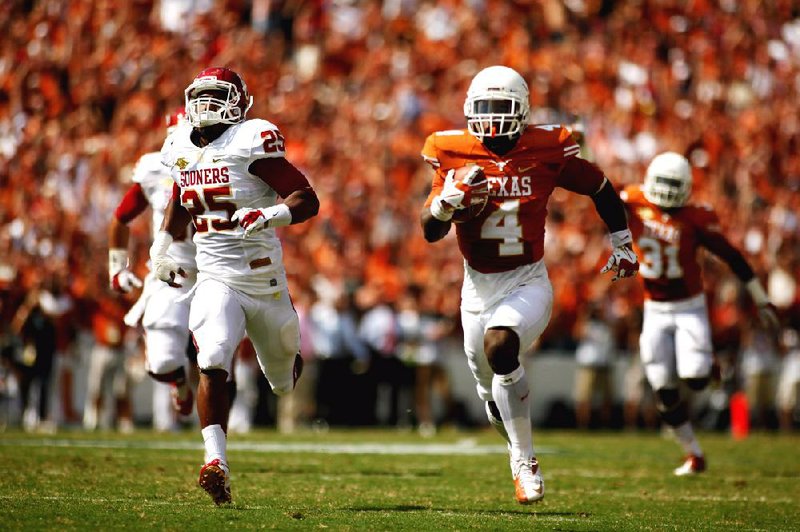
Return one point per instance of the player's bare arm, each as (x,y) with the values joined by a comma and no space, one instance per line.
(290,184)
(580,176)
(176,218)
(432,228)
(300,201)
(719,245)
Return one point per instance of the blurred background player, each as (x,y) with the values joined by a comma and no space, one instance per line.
(36,329)
(228,173)
(788,393)
(342,359)
(675,343)
(163,311)
(594,357)
(108,384)
(759,360)
(506,297)
(422,329)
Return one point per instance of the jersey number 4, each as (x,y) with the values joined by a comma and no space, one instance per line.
(503,224)
(211,200)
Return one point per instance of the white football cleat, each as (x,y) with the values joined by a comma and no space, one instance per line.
(528,482)
(693,465)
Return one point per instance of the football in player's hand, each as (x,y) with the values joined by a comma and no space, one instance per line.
(473,182)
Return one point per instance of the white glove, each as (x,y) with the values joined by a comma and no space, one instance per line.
(164,267)
(254,220)
(623,261)
(121,279)
(455,195)
(766,311)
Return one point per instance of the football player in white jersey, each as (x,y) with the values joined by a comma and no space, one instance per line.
(166,325)
(228,173)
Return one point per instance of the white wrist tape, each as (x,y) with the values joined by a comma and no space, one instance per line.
(277,215)
(117,260)
(161,243)
(621,238)
(439,212)
(757,292)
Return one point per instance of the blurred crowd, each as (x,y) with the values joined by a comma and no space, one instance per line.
(355,87)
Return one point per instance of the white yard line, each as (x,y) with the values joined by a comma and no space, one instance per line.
(463,448)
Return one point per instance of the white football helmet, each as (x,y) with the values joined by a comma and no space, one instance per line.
(497,103)
(217,96)
(668,181)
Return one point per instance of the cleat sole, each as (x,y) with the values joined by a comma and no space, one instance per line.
(212,480)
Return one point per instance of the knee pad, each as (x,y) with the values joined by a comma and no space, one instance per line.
(673,411)
(214,357)
(697,384)
(290,337)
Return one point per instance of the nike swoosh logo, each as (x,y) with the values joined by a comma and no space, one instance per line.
(215,160)
(524,397)
(526,168)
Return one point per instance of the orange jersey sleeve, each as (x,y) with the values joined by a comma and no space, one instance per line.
(510,231)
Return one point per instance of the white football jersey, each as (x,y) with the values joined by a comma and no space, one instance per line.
(214,183)
(156,186)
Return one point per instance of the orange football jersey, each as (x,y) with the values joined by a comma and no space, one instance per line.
(510,231)
(666,242)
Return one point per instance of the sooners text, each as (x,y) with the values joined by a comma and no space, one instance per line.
(206,176)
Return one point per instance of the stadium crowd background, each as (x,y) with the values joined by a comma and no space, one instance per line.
(355,87)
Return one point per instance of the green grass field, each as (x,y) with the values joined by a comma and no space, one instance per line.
(388,480)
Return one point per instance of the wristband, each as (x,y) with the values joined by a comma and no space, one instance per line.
(757,292)
(439,212)
(161,243)
(621,238)
(277,215)
(117,260)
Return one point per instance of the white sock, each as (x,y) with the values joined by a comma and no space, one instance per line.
(511,394)
(215,442)
(90,417)
(498,425)
(685,436)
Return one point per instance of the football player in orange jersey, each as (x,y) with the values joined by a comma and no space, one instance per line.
(675,343)
(507,298)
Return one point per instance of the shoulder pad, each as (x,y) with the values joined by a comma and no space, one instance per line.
(258,138)
(148,164)
(550,141)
